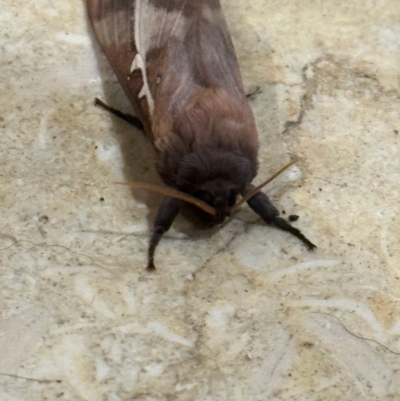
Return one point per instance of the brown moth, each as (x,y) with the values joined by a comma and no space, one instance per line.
(176,62)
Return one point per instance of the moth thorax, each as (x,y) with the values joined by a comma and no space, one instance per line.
(215,176)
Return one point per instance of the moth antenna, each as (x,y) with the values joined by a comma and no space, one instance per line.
(250,194)
(173,193)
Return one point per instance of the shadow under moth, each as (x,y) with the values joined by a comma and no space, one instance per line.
(176,62)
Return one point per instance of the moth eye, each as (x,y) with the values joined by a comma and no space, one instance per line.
(232,198)
(204,196)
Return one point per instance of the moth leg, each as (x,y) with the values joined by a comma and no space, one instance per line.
(129,118)
(166,214)
(261,204)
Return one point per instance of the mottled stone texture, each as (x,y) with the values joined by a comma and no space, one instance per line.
(240,313)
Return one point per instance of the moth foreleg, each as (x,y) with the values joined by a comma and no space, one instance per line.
(168,210)
(129,118)
(261,204)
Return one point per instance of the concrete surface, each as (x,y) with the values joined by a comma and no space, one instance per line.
(240,313)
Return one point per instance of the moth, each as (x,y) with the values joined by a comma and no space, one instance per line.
(176,62)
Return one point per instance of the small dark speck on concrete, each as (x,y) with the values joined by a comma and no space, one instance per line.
(293,217)
(283,211)
(101,199)
(44,219)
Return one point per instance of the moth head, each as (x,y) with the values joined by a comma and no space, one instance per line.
(219,195)
(215,196)
(215,177)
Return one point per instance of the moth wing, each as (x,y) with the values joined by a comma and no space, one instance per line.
(164,52)
(112,21)
(187,47)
